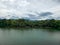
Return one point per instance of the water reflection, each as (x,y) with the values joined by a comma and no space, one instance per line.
(28,37)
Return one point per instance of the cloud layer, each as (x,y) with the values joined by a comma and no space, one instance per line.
(30,9)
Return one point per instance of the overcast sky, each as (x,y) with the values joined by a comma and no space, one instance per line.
(30,9)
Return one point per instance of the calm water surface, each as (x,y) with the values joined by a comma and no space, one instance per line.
(29,37)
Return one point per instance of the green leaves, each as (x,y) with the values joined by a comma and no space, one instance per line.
(28,23)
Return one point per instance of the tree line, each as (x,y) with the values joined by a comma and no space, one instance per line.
(23,23)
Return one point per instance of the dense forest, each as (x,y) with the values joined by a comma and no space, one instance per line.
(23,23)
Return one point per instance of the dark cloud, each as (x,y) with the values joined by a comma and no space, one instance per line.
(45,14)
(31,16)
(58,1)
(40,15)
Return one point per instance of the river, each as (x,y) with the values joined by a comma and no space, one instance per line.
(29,37)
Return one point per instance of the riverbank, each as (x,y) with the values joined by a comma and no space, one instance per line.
(23,23)
(23,29)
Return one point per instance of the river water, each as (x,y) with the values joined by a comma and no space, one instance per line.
(29,37)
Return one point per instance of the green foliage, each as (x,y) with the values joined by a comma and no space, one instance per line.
(29,23)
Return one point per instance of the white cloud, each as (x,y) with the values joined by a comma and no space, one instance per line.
(22,7)
(3,12)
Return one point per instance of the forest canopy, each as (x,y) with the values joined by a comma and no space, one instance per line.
(23,23)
